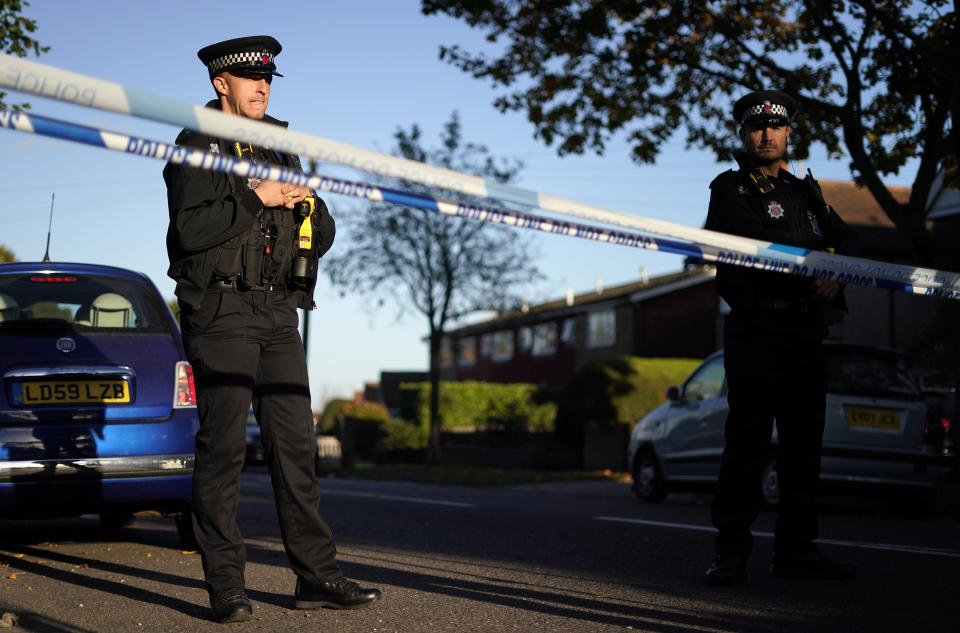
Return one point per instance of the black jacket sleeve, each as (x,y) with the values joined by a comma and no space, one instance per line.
(206,209)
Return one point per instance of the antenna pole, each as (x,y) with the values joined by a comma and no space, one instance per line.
(46,254)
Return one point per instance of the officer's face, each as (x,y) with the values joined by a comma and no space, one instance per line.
(766,141)
(245,95)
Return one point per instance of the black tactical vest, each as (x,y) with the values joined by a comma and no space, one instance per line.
(263,255)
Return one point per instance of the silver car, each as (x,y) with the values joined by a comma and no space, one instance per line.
(876,434)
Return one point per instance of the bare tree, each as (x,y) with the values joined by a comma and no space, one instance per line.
(444,267)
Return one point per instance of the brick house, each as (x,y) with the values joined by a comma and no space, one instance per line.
(671,315)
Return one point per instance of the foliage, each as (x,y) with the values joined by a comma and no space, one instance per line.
(444,267)
(622,389)
(6,255)
(875,80)
(15,38)
(365,411)
(403,440)
(472,404)
(364,425)
(327,424)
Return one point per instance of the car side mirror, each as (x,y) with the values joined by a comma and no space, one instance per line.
(673,394)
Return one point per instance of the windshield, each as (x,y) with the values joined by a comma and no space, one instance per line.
(865,374)
(62,301)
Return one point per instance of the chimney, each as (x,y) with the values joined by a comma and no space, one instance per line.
(569,295)
(599,286)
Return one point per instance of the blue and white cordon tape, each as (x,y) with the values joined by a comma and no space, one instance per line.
(45,81)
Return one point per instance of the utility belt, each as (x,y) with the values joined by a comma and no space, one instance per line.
(237,284)
(794,305)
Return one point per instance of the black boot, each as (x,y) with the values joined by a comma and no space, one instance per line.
(726,570)
(231,605)
(335,594)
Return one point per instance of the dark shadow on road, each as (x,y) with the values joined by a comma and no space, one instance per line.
(13,562)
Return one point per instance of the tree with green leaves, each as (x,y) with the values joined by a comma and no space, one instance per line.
(877,81)
(446,268)
(6,255)
(15,36)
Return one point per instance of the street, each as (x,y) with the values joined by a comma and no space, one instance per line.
(574,557)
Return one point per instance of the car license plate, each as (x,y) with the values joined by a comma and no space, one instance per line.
(71,392)
(873,419)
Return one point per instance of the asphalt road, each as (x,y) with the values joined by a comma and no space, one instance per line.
(562,557)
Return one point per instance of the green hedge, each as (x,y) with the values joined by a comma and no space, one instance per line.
(618,390)
(480,405)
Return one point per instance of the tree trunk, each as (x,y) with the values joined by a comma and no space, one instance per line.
(433,447)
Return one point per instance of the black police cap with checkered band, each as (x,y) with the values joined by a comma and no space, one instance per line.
(765,106)
(242,55)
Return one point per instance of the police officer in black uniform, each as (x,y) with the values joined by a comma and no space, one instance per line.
(773,348)
(244,255)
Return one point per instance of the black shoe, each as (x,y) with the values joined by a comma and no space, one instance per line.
(231,605)
(812,565)
(335,594)
(726,570)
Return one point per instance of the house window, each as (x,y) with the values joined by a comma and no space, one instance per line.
(601,328)
(468,351)
(486,345)
(526,339)
(568,335)
(503,345)
(544,339)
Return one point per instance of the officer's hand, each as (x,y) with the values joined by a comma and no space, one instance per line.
(278,194)
(825,289)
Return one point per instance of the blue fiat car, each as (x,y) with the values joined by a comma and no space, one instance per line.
(97,409)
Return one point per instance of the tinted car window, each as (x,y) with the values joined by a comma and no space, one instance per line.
(81,302)
(706,383)
(865,374)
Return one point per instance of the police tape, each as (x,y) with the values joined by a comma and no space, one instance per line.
(45,81)
(201,159)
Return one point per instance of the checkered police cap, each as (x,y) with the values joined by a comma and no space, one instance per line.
(242,55)
(765,106)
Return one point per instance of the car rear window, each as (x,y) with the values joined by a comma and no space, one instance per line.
(45,301)
(866,374)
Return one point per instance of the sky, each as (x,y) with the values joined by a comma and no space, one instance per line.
(354,72)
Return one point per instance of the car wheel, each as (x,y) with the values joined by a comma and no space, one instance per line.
(648,482)
(770,485)
(188,539)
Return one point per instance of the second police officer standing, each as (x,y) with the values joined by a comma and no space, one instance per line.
(773,353)
(244,254)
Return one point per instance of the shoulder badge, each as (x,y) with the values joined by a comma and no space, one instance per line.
(742,190)
(775,211)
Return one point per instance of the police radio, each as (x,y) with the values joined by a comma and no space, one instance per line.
(305,264)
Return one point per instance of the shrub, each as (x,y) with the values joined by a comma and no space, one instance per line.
(368,421)
(620,390)
(480,405)
(327,424)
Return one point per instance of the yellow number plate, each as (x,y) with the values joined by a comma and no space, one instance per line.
(873,419)
(72,392)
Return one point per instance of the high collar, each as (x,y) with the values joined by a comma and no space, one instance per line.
(214,104)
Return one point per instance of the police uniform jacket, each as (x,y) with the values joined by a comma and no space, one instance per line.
(211,213)
(785,210)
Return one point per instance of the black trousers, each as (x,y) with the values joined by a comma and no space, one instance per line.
(770,376)
(245,348)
